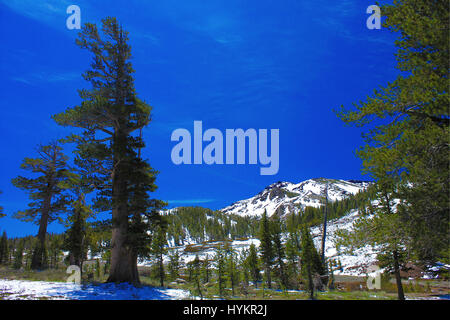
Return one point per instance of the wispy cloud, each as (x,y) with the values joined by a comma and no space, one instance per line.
(41,77)
(190,201)
(47,11)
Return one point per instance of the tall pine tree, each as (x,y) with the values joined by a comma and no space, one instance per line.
(219,260)
(279,251)
(266,248)
(407,124)
(110,113)
(159,248)
(253,265)
(311,263)
(384,230)
(4,250)
(47,192)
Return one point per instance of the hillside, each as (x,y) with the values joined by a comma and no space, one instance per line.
(354,264)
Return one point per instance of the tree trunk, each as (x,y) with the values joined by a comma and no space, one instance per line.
(310,285)
(401,295)
(123,258)
(324,235)
(37,260)
(269,278)
(161,271)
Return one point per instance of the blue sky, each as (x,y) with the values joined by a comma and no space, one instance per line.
(230,64)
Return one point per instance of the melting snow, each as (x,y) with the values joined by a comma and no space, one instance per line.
(20,289)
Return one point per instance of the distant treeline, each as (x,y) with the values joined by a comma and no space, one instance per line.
(313,216)
(202,224)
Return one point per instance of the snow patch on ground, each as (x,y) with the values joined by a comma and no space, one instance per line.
(31,290)
(354,264)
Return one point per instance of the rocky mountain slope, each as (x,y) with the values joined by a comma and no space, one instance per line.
(285,197)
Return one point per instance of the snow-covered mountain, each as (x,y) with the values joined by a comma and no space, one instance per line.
(284,197)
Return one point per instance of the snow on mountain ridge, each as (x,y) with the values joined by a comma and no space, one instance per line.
(289,197)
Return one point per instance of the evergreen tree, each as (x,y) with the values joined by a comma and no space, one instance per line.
(253,265)
(159,248)
(311,264)
(266,248)
(279,251)
(196,276)
(384,231)
(18,255)
(244,270)
(219,260)
(174,265)
(293,253)
(325,219)
(4,250)
(206,269)
(54,250)
(231,267)
(47,192)
(408,124)
(76,241)
(111,109)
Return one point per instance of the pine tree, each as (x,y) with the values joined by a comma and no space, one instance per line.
(76,241)
(159,248)
(253,265)
(47,192)
(293,253)
(174,265)
(196,276)
(311,264)
(54,250)
(266,248)
(279,251)
(219,260)
(325,219)
(384,230)
(244,271)
(407,122)
(4,250)
(231,266)
(18,255)
(28,252)
(112,110)
(206,270)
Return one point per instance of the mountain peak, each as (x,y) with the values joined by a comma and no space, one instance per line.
(289,197)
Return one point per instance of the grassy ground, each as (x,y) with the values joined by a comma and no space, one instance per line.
(51,275)
(251,293)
